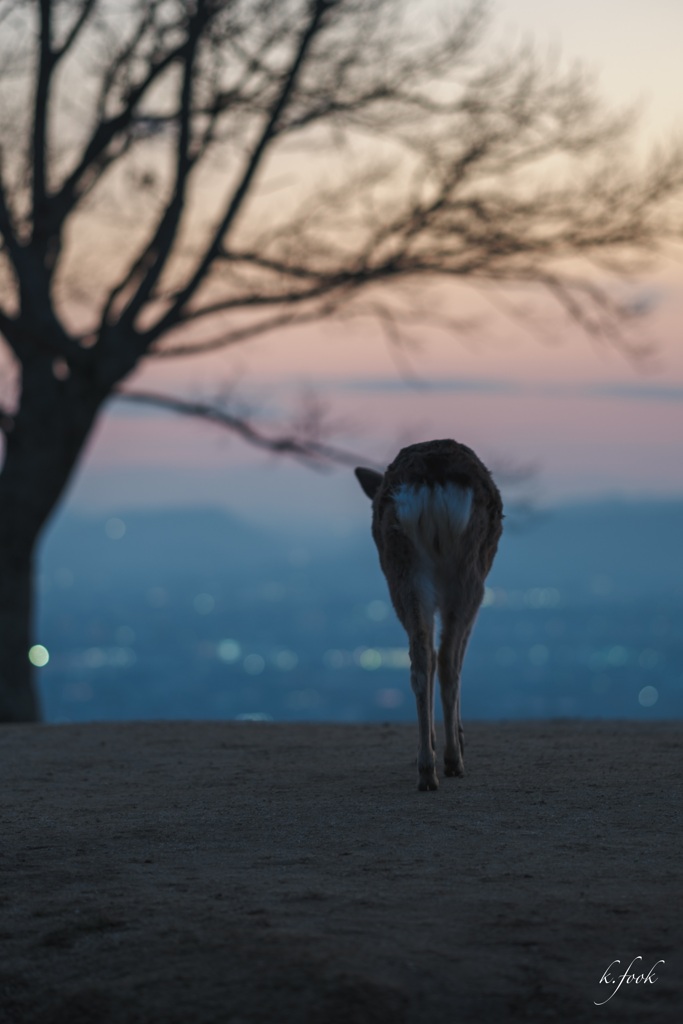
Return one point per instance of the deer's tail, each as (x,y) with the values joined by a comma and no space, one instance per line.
(434,517)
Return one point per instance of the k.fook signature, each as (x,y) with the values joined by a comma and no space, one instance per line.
(629,976)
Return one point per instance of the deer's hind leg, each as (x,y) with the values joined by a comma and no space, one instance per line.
(432,673)
(452,640)
(457,626)
(422,681)
(418,621)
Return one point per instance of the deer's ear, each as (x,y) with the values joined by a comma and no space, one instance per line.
(369,479)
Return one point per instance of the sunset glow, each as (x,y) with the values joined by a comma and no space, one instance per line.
(523,384)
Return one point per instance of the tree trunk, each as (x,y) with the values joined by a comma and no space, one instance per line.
(48,433)
(18,700)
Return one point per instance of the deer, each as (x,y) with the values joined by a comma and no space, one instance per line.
(437,518)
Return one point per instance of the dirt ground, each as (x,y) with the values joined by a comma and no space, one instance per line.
(230,873)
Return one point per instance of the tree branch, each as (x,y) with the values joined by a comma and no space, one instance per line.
(46,64)
(152,260)
(10,332)
(86,10)
(314,453)
(235,336)
(7,229)
(106,130)
(282,267)
(318,9)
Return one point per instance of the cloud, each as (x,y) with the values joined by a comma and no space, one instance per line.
(647,392)
(394,384)
(495,386)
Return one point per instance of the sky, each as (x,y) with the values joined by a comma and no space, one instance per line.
(586,420)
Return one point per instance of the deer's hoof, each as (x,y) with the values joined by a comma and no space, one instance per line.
(453,769)
(427,782)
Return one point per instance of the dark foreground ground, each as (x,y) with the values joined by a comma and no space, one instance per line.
(230,873)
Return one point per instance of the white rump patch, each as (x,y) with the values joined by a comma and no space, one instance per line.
(434,517)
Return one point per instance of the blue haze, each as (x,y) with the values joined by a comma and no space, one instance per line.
(195,614)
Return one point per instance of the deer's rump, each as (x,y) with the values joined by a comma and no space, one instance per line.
(434,518)
(438,511)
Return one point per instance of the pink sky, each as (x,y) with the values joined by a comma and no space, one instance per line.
(589,421)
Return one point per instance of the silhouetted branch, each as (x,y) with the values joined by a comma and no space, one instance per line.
(226,338)
(7,229)
(297,444)
(475,204)
(87,7)
(46,64)
(93,159)
(151,262)
(318,9)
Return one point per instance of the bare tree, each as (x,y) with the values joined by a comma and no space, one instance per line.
(179,176)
